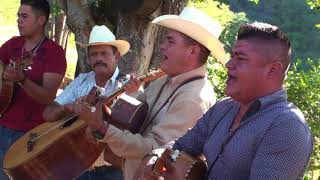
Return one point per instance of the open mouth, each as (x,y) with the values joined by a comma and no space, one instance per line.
(231,78)
(164,57)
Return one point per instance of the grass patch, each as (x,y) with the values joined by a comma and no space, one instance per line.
(8,17)
(8,12)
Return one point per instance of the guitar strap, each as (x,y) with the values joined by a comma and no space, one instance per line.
(149,121)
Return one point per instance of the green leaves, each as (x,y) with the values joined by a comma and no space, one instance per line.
(304,91)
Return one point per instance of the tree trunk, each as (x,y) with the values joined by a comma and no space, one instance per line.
(80,22)
(144,37)
(133,26)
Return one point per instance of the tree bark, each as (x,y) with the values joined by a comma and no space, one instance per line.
(136,28)
(144,37)
(80,22)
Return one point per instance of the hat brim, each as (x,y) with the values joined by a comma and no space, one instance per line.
(122,46)
(196,32)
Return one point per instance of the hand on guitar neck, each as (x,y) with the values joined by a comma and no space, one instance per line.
(135,82)
(95,116)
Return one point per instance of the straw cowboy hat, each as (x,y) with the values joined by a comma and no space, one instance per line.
(199,27)
(101,35)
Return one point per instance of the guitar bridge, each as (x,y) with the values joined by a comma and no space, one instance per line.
(31,142)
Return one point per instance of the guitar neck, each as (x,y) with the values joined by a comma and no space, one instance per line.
(146,78)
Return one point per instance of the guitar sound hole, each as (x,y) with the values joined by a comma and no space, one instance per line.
(69,122)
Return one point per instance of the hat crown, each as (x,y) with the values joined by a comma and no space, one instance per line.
(198,26)
(101,34)
(198,17)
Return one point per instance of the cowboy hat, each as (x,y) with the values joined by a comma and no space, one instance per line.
(198,26)
(101,35)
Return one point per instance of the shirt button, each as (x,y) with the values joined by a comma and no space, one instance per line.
(219,155)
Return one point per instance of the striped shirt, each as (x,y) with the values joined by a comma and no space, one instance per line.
(82,85)
(273,140)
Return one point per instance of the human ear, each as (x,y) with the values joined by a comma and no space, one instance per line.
(42,20)
(275,68)
(117,56)
(195,49)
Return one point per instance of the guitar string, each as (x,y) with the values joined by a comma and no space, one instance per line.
(51,129)
(69,119)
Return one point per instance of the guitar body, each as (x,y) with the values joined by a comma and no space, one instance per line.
(132,118)
(182,166)
(190,168)
(6,91)
(7,87)
(60,150)
(6,94)
(63,153)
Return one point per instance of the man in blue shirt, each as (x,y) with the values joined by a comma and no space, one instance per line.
(254,133)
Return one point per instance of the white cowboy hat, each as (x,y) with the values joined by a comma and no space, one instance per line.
(199,26)
(101,35)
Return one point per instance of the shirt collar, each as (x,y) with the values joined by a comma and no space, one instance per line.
(263,102)
(278,96)
(115,75)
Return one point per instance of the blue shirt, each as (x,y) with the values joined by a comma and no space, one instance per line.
(273,140)
(82,85)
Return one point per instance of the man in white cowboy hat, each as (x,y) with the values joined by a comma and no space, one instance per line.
(104,52)
(176,100)
(255,132)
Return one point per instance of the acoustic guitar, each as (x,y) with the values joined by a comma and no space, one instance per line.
(7,87)
(173,165)
(60,149)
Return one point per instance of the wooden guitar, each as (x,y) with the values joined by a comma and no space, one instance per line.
(7,87)
(57,150)
(174,165)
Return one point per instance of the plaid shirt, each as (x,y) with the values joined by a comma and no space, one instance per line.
(272,142)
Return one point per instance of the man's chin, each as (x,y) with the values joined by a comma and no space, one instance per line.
(229,91)
(101,71)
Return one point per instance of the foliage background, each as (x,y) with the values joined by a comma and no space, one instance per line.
(294,16)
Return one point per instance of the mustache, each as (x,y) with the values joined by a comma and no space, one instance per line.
(99,64)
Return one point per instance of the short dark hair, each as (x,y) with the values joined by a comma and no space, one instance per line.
(41,7)
(268,33)
(204,52)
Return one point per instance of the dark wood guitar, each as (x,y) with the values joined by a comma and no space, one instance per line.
(7,87)
(57,150)
(174,165)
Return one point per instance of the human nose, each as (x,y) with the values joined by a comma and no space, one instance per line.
(230,64)
(163,45)
(18,20)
